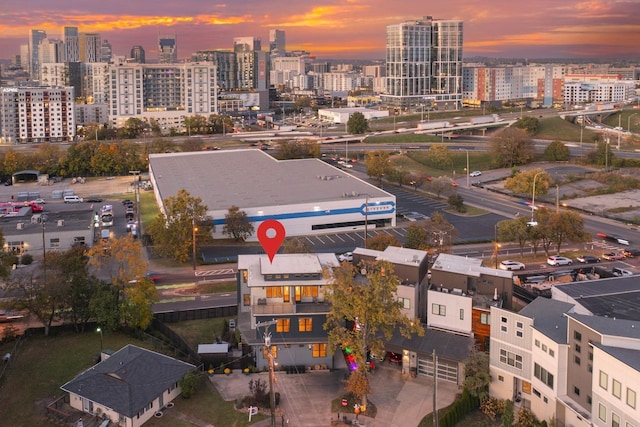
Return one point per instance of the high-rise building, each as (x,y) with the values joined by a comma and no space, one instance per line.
(90,46)
(137,54)
(106,52)
(36,37)
(424,63)
(246,44)
(71,44)
(226,66)
(51,50)
(277,44)
(37,114)
(168,49)
(252,63)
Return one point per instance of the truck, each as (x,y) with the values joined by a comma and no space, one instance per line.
(485,119)
(434,125)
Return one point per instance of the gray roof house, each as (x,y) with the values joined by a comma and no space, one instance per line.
(128,387)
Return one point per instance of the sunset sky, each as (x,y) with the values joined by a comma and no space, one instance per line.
(349,29)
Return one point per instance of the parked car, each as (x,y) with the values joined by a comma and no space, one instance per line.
(631,253)
(612,256)
(619,272)
(559,260)
(588,259)
(511,265)
(347,256)
(394,358)
(475,173)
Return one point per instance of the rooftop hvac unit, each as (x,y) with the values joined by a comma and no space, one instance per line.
(20,226)
(60,222)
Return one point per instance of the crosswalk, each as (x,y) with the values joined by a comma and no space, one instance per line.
(221,272)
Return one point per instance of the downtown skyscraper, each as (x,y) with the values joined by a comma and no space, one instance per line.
(424,64)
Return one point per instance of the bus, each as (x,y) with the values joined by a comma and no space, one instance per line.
(106,216)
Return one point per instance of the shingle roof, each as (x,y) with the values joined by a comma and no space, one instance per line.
(609,326)
(129,380)
(448,345)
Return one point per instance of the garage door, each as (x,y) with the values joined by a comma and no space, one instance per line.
(447,370)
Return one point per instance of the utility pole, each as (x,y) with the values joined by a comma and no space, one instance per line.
(267,346)
(435,390)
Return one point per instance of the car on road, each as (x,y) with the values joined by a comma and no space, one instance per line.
(475,173)
(511,265)
(613,256)
(347,256)
(455,184)
(93,199)
(559,260)
(39,201)
(588,259)
(631,253)
(155,277)
(619,272)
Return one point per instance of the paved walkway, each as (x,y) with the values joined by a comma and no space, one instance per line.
(306,398)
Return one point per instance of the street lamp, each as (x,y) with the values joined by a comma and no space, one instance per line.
(533,195)
(194,229)
(629,122)
(43,220)
(99,329)
(496,245)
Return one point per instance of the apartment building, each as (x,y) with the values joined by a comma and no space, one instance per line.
(587,88)
(424,61)
(37,114)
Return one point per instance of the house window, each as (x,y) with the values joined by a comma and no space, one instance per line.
(404,303)
(319,350)
(503,319)
(274,292)
(462,314)
(576,391)
(616,389)
(615,420)
(439,309)
(537,393)
(602,412)
(305,324)
(544,348)
(589,400)
(519,334)
(604,380)
(283,325)
(578,348)
(500,378)
(577,336)
(543,375)
(519,325)
(310,291)
(511,359)
(551,353)
(631,398)
(503,328)
(485,318)
(576,359)
(245,275)
(537,343)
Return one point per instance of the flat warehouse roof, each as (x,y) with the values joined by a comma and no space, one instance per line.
(251,178)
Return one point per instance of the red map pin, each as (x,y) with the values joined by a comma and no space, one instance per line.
(271,234)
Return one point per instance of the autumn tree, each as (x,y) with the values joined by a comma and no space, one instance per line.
(440,156)
(378,164)
(295,245)
(515,230)
(292,149)
(441,186)
(365,312)
(7,259)
(172,231)
(357,124)
(567,226)
(237,224)
(382,241)
(523,182)
(511,147)
(529,124)
(119,260)
(416,236)
(440,233)
(556,151)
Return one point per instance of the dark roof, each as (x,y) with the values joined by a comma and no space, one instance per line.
(627,356)
(548,317)
(609,326)
(617,297)
(447,345)
(129,380)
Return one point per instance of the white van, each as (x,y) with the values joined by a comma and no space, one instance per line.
(72,199)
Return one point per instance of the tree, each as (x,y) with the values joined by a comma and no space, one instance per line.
(357,124)
(136,306)
(511,147)
(602,155)
(119,260)
(364,312)
(398,175)
(133,128)
(457,202)
(172,230)
(378,164)
(418,180)
(522,182)
(515,230)
(237,224)
(530,124)
(477,377)
(556,151)
(382,241)
(441,186)
(7,259)
(190,383)
(295,245)
(507,415)
(567,226)
(442,233)
(291,149)
(415,237)
(440,156)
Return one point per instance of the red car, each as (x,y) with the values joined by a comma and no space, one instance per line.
(612,256)
(394,358)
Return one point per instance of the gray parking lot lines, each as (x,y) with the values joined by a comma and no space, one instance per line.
(339,237)
(329,237)
(310,241)
(350,236)
(318,238)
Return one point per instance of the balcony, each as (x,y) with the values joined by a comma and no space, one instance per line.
(262,307)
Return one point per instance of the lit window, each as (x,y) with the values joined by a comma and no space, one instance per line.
(283,325)
(305,324)
(274,292)
(319,350)
(246,299)
(485,318)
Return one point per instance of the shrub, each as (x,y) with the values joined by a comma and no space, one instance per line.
(26,259)
(492,407)
(189,384)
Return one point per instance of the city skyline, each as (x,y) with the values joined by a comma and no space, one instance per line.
(339,29)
